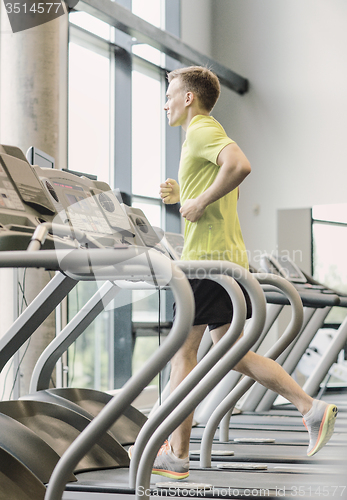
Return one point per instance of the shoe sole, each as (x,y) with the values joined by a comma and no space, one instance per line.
(326,429)
(162,472)
(170,474)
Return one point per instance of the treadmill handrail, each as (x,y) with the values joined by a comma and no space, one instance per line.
(320,371)
(308,298)
(263,399)
(82,262)
(40,234)
(74,264)
(288,336)
(259,398)
(44,366)
(194,377)
(132,388)
(222,367)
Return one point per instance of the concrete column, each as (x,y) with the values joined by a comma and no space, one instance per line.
(33,112)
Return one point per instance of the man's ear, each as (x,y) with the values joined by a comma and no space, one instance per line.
(189,98)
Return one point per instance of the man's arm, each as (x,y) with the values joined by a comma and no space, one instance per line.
(170,192)
(234,168)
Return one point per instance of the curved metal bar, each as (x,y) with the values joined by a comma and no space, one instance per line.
(44,367)
(264,399)
(312,384)
(112,411)
(216,373)
(259,398)
(229,402)
(105,264)
(81,264)
(42,230)
(316,307)
(194,376)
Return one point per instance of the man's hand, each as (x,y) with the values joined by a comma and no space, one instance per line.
(192,210)
(169,192)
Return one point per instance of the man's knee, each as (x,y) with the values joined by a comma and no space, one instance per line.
(243,366)
(184,355)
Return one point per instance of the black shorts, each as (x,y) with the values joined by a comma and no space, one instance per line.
(213,305)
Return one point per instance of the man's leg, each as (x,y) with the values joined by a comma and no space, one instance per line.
(319,417)
(182,364)
(272,376)
(173,457)
(269,374)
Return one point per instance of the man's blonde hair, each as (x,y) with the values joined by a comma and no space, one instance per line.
(201,81)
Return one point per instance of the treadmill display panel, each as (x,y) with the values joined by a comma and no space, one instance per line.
(284,266)
(113,212)
(291,271)
(8,195)
(81,209)
(27,183)
(144,230)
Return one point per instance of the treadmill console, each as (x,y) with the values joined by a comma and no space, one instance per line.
(173,242)
(145,233)
(81,203)
(283,266)
(27,184)
(31,195)
(9,196)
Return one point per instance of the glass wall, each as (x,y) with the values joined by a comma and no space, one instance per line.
(92,118)
(147,163)
(90,359)
(329,236)
(148,167)
(152,11)
(89,106)
(147,137)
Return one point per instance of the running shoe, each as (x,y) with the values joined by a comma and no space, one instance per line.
(167,464)
(319,422)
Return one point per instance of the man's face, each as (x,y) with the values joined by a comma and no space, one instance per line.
(175,107)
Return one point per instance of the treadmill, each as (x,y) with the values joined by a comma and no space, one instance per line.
(323,301)
(317,302)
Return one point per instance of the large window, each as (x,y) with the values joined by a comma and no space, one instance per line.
(90,359)
(147,163)
(94,148)
(329,236)
(147,136)
(152,11)
(89,105)
(148,168)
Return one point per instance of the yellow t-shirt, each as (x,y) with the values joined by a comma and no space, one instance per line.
(217,234)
